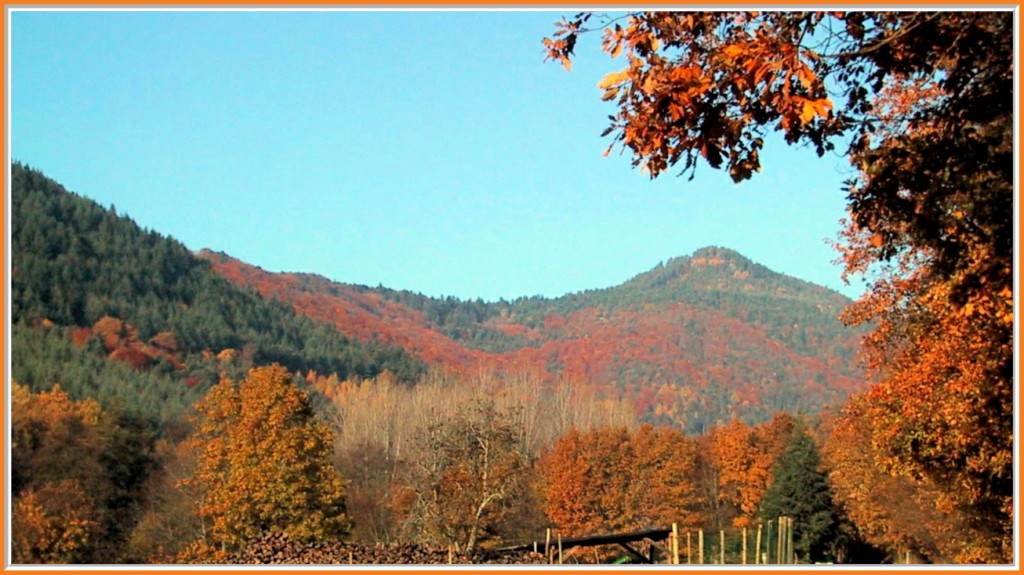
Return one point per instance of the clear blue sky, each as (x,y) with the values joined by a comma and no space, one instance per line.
(431,151)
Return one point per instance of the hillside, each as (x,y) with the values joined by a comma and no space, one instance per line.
(135,328)
(122,314)
(112,310)
(696,341)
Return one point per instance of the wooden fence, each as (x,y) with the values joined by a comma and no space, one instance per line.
(771,542)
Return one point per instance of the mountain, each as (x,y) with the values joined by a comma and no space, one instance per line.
(696,341)
(122,314)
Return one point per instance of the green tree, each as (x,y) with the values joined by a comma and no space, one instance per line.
(264,464)
(75,262)
(800,490)
(924,102)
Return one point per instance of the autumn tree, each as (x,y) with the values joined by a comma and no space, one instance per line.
(896,513)
(76,477)
(470,477)
(609,479)
(585,476)
(930,204)
(55,515)
(662,483)
(54,523)
(743,457)
(263,464)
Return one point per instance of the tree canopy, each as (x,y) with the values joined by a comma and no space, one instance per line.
(921,103)
(264,463)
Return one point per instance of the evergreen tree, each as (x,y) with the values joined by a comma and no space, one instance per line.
(800,490)
(75,263)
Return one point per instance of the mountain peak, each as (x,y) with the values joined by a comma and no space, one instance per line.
(723,270)
(716,254)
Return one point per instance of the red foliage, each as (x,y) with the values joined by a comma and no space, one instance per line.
(358,314)
(133,356)
(80,335)
(648,343)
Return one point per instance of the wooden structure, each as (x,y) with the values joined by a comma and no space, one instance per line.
(621,539)
(666,543)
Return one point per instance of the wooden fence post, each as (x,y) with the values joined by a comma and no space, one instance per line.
(789,540)
(789,537)
(778,541)
(757,546)
(675,544)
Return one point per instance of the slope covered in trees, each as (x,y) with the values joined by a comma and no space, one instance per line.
(88,285)
(696,341)
(479,453)
(131,325)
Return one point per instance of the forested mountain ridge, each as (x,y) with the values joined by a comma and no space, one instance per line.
(88,284)
(696,341)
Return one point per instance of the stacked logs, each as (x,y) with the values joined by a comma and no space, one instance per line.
(275,548)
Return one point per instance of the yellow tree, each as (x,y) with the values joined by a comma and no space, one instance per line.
(264,463)
(59,482)
(55,523)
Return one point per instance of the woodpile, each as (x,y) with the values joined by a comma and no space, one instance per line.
(277,549)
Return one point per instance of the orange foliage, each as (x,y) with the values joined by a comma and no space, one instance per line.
(893,512)
(591,347)
(113,332)
(609,480)
(943,342)
(743,457)
(263,463)
(121,342)
(57,475)
(165,341)
(80,335)
(53,524)
(673,108)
